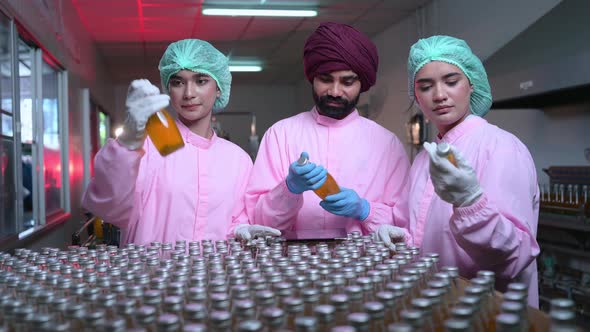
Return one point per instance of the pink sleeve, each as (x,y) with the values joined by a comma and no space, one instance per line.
(391,207)
(110,193)
(499,230)
(239,215)
(268,200)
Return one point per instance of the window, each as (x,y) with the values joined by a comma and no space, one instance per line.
(8,201)
(34,185)
(104,128)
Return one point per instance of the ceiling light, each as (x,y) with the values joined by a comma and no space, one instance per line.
(259,12)
(245,68)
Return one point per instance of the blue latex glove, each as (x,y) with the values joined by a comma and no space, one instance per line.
(347,203)
(305,177)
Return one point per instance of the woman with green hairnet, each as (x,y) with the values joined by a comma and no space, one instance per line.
(480,212)
(192,194)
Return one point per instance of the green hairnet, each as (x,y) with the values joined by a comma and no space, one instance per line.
(201,57)
(456,52)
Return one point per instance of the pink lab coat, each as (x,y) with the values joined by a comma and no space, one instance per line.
(194,193)
(357,152)
(498,232)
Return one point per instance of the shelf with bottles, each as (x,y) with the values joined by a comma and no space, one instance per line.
(567,199)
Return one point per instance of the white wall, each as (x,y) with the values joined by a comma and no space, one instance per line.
(269,103)
(485,25)
(555,136)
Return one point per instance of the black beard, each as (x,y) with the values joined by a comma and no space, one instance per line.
(335,112)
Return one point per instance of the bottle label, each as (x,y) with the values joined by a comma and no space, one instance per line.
(162,118)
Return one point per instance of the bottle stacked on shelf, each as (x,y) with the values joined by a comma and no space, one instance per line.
(565,198)
(262,285)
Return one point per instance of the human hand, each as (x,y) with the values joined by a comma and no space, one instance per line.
(457,185)
(346,203)
(247,232)
(303,177)
(143,100)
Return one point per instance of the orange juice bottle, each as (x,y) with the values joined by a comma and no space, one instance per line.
(444,150)
(330,187)
(164,133)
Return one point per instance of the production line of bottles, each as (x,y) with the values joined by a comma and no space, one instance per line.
(268,284)
(565,198)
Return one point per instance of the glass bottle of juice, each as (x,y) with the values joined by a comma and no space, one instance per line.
(444,150)
(164,133)
(330,187)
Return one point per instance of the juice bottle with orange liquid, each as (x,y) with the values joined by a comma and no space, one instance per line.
(444,150)
(330,187)
(164,133)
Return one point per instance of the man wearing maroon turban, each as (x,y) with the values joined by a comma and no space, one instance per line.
(367,161)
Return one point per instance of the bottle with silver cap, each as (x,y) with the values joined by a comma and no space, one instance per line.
(479,293)
(329,187)
(94,320)
(413,317)
(507,323)
(473,302)
(126,310)
(425,307)
(219,321)
(273,318)
(562,321)
(168,323)
(488,303)
(341,303)
(293,307)
(306,324)
(264,299)
(444,150)
(355,298)
(250,325)
(400,327)
(516,308)
(195,327)
(243,310)
(376,311)
(146,317)
(440,309)
(562,304)
(457,325)
(311,298)
(359,320)
(40,322)
(74,314)
(23,315)
(325,316)
(194,313)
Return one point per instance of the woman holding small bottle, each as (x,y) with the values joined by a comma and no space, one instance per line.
(193,193)
(477,203)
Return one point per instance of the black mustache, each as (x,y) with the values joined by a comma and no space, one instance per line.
(330,99)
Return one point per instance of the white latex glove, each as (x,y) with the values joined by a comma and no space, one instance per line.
(247,232)
(456,185)
(143,100)
(390,235)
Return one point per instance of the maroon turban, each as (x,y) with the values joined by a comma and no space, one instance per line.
(335,46)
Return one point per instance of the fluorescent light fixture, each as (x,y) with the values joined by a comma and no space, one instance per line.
(259,12)
(244,68)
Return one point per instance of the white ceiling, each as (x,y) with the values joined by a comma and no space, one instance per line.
(132,35)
